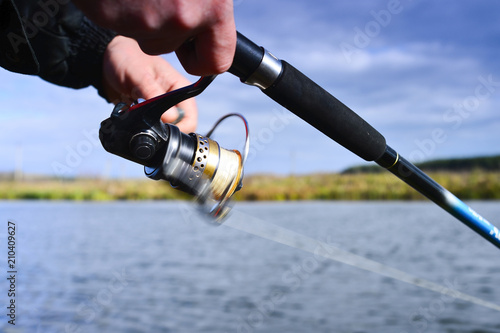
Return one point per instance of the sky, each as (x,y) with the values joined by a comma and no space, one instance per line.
(425,74)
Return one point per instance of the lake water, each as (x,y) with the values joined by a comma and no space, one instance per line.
(155,267)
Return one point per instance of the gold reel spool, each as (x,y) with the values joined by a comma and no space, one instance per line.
(221,168)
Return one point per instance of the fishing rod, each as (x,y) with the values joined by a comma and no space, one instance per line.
(296,92)
(198,165)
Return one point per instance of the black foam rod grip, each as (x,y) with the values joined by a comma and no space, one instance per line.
(299,94)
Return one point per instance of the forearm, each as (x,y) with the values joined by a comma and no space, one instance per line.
(66,45)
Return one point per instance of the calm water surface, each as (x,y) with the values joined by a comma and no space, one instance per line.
(155,267)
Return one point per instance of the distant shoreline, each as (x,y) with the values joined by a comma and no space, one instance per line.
(471,185)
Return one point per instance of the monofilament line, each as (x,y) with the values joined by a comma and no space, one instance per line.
(264,229)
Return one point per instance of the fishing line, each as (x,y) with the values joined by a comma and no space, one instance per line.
(255,226)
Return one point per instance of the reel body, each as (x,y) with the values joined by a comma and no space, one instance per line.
(192,163)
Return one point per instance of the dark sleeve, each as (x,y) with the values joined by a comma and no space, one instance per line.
(16,53)
(67,46)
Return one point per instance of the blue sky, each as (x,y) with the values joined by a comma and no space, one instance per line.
(424,73)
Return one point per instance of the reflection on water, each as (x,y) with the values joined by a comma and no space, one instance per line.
(155,267)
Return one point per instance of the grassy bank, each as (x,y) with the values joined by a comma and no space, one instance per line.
(477,185)
(366,186)
(88,189)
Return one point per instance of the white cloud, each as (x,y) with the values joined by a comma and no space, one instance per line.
(403,83)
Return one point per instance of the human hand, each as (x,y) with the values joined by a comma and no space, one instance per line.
(202,32)
(129,74)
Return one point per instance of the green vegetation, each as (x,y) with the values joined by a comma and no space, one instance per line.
(471,178)
(488,163)
(484,163)
(367,186)
(88,189)
(468,178)
(480,185)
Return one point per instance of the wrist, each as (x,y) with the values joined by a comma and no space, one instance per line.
(89,51)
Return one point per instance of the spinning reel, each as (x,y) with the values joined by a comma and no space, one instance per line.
(192,163)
